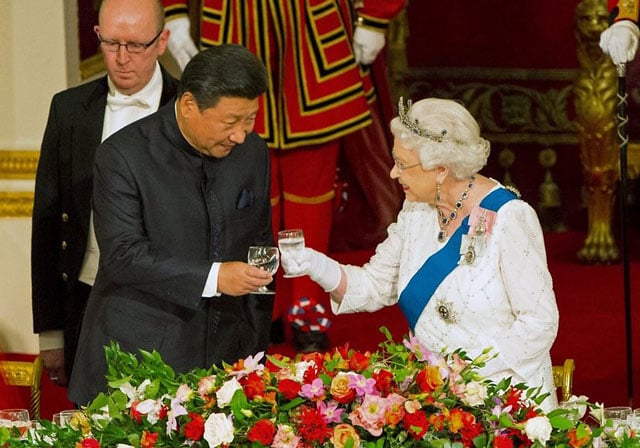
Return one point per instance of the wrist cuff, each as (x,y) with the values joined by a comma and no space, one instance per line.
(372,23)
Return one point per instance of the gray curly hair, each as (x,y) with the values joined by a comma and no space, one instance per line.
(443,133)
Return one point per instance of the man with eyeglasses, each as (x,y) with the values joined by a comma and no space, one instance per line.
(64,258)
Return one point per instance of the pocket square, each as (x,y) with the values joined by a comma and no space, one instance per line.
(245,199)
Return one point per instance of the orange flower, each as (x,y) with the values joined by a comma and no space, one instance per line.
(459,419)
(576,442)
(340,390)
(253,385)
(342,433)
(148,439)
(359,361)
(429,379)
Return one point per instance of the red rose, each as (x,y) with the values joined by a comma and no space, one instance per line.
(263,432)
(359,361)
(289,388)
(164,410)
(148,439)
(90,443)
(253,385)
(416,424)
(194,429)
(384,381)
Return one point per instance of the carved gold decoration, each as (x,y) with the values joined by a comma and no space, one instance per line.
(397,64)
(633,160)
(550,203)
(512,106)
(91,66)
(16,204)
(506,159)
(17,165)
(595,103)
(523,115)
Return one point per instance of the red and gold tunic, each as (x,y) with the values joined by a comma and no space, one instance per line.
(317,93)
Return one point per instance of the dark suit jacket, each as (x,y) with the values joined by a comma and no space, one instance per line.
(163,213)
(62,204)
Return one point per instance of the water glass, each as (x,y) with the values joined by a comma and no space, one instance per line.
(618,416)
(291,242)
(65,418)
(267,258)
(16,418)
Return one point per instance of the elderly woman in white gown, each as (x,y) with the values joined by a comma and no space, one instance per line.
(465,260)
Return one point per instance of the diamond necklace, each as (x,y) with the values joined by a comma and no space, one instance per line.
(446,220)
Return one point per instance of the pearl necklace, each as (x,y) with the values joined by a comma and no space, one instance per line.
(446,220)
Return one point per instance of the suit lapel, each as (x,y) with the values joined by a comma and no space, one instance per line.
(84,142)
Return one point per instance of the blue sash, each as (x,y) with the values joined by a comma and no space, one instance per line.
(415,297)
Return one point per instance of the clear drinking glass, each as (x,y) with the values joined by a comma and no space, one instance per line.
(290,242)
(65,418)
(16,418)
(618,417)
(267,258)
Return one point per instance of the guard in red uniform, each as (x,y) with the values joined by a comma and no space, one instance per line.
(317,53)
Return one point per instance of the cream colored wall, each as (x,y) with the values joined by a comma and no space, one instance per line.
(39,57)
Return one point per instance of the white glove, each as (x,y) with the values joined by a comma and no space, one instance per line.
(321,269)
(180,44)
(367,44)
(620,41)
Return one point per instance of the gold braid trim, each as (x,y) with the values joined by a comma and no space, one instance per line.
(16,204)
(309,200)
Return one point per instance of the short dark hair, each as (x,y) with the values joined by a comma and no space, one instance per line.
(228,70)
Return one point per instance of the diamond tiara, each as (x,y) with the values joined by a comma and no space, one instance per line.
(414,126)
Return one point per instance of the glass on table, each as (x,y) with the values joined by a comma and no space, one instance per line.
(618,416)
(16,418)
(291,242)
(267,258)
(68,417)
(616,412)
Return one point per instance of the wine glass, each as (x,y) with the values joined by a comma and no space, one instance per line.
(15,418)
(267,258)
(291,242)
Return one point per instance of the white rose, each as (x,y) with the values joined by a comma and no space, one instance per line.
(475,393)
(218,430)
(225,393)
(538,428)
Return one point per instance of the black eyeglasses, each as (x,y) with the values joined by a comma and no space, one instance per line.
(131,47)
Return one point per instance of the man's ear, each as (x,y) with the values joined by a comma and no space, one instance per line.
(187,104)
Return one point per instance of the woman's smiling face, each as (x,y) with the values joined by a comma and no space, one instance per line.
(417,183)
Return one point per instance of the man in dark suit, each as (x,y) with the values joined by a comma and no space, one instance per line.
(64,256)
(179,197)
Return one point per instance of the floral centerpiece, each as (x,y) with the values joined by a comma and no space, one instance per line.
(400,396)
